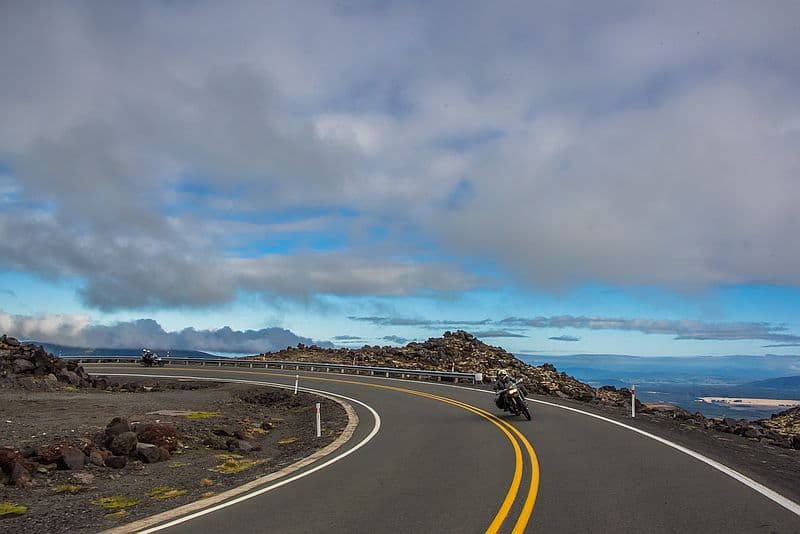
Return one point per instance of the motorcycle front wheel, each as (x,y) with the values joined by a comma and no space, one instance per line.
(525,410)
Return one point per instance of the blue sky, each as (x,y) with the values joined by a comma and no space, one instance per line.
(573,178)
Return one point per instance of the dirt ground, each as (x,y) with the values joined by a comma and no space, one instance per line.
(277,422)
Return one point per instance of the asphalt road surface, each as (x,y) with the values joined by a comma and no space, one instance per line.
(444,459)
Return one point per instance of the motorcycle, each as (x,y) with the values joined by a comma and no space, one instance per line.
(150,359)
(515,400)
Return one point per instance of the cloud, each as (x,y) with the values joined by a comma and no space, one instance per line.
(133,134)
(77,330)
(347,338)
(9,292)
(682,330)
(497,333)
(781,345)
(565,338)
(396,339)
(425,323)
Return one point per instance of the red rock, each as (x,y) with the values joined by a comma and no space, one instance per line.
(159,434)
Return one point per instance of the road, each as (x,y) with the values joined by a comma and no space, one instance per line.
(442,462)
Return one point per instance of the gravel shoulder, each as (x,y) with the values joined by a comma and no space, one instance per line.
(212,422)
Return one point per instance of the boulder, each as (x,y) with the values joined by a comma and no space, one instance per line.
(148,453)
(116,462)
(23,366)
(71,458)
(20,476)
(159,434)
(123,444)
(98,457)
(117,426)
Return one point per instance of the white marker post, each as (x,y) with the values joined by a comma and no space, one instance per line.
(633,400)
(319,423)
(296,380)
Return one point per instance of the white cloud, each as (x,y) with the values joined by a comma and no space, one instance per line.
(636,145)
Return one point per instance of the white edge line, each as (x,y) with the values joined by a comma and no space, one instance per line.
(747,481)
(261,491)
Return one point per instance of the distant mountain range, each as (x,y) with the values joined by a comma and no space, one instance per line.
(782,383)
(614,369)
(63,350)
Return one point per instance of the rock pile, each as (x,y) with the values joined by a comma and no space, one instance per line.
(31,367)
(149,443)
(459,351)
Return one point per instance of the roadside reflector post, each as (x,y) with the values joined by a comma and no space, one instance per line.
(633,400)
(296,381)
(319,423)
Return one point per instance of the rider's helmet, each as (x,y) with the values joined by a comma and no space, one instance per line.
(502,373)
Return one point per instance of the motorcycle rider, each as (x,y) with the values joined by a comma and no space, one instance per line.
(503,382)
(148,358)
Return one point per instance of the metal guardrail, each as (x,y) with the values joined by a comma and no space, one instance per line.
(448,376)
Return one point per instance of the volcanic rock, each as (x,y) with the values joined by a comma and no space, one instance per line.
(123,444)
(148,453)
(159,434)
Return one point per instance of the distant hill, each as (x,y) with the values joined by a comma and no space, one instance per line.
(64,350)
(784,382)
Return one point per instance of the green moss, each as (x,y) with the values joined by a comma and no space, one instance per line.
(116,515)
(232,466)
(116,501)
(202,415)
(287,441)
(176,465)
(12,509)
(228,456)
(68,488)
(165,492)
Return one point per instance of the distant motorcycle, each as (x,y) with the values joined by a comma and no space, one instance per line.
(150,359)
(515,401)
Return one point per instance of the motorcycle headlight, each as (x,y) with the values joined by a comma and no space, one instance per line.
(512,391)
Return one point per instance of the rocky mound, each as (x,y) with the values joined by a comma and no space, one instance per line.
(463,352)
(31,367)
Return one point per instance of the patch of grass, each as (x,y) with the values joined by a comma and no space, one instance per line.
(116,515)
(228,456)
(276,419)
(68,488)
(287,441)
(12,509)
(206,482)
(165,492)
(208,494)
(233,466)
(70,388)
(116,501)
(202,415)
(176,465)
(258,430)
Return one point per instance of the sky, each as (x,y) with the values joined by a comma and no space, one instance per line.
(554,177)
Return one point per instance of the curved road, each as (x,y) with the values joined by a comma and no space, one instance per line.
(442,462)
